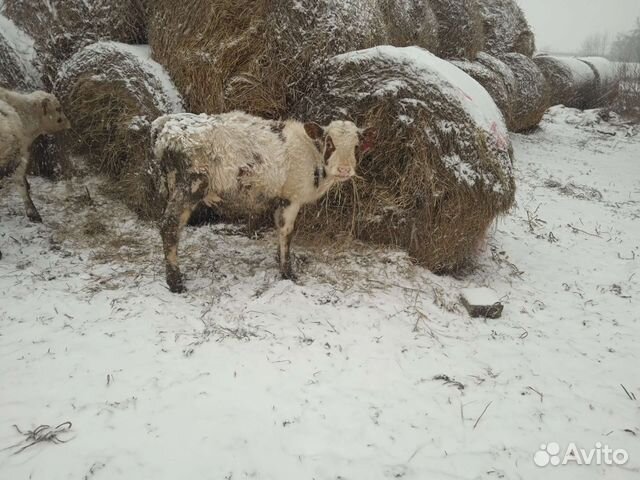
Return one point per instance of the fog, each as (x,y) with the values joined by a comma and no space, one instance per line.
(562,25)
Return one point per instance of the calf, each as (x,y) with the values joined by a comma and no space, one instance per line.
(24,117)
(247,161)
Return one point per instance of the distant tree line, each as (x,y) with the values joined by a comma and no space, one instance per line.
(625,48)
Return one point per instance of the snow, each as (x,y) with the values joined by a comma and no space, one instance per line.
(369,368)
(23,45)
(156,80)
(143,54)
(580,71)
(480,296)
(474,98)
(607,70)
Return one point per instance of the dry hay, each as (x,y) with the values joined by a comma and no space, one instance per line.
(506,28)
(442,168)
(111,92)
(530,98)
(571,82)
(229,54)
(460,29)
(607,80)
(62,27)
(500,89)
(410,22)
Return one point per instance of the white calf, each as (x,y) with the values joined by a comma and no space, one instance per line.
(247,161)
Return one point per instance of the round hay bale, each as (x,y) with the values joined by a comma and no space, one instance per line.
(607,80)
(571,82)
(62,27)
(530,99)
(506,28)
(441,170)
(226,55)
(493,83)
(460,29)
(111,92)
(19,68)
(410,22)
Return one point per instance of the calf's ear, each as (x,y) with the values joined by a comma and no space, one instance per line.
(314,130)
(368,139)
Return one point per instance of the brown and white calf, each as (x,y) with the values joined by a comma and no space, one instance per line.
(23,118)
(247,162)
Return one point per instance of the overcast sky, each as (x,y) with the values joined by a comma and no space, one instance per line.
(564,24)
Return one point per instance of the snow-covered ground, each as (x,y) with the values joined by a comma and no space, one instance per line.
(367,369)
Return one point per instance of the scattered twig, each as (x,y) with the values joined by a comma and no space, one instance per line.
(482,414)
(449,381)
(575,230)
(536,391)
(631,395)
(633,256)
(43,433)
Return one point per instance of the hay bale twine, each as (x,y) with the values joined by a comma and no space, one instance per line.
(607,80)
(442,168)
(530,98)
(410,22)
(493,83)
(506,28)
(460,29)
(62,27)
(111,93)
(571,82)
(226,55)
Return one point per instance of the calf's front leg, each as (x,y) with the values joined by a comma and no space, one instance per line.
(175,217)
(285,218)
(25,191)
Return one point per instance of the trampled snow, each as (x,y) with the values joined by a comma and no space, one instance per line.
(369,368)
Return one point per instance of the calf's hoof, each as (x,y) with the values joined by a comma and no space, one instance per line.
(175,282)
(289,275)
(177,287)
(34,216)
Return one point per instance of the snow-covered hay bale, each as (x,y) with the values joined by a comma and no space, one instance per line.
(111,92)
(607,80)
(19,67)
(225,54)
(460,29)
(500,90)
(441,170)
(506,28)
(572,83)
(62,27)
(410,22)
(530,98)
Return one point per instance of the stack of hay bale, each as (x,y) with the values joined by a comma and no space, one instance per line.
(443,167)
(502,62)
(571,82)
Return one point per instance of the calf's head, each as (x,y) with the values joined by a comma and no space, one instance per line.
(341,144)
(52,117)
